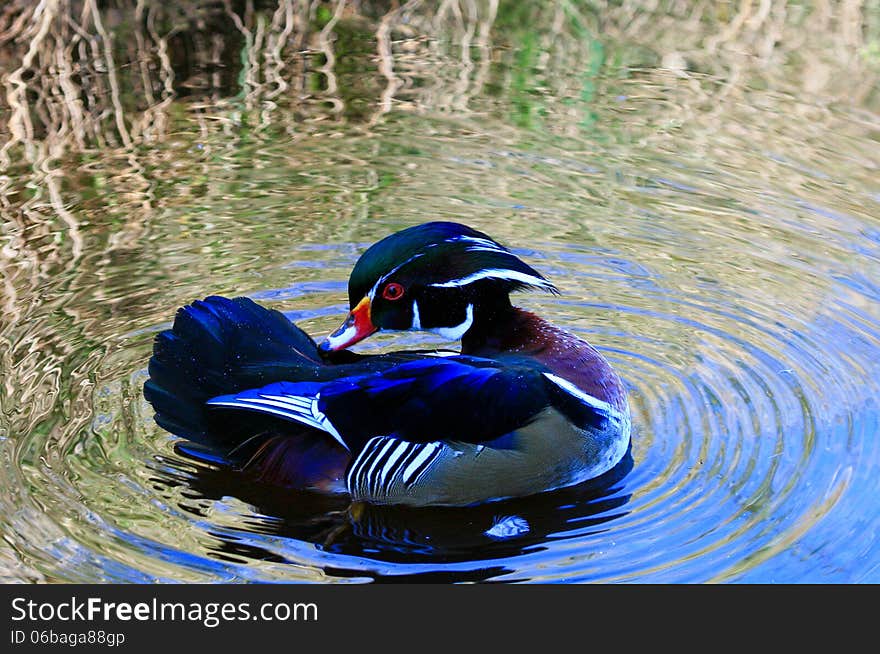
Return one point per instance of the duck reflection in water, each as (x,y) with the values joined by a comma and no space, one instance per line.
(395,533)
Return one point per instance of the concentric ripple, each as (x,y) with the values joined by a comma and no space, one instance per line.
(754,441)
(736,292)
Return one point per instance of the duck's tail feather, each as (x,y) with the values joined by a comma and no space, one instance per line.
(218,346)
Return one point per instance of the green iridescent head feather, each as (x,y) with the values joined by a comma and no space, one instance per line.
(446,253)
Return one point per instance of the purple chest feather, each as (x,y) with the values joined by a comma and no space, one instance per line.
(565,354)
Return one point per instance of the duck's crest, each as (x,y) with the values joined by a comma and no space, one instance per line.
(452,254)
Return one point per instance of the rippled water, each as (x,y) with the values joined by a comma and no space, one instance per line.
(721,248)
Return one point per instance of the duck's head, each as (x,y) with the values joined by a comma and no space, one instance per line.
(441,277)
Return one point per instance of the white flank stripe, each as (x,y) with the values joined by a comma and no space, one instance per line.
(373,460)
(395,455)
(455,333)
(379,282)
(496,273)
(374,479)
(428,450)
(589,400)
(388,445)
(357,469)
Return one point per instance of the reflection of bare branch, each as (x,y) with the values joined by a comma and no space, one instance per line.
(254,67)
(153,123)
(252,44)
(328,69)
(755,22)
(8,253)
(51,181)
(484,47)
(428,54)
(19,123)
(386,57)
(460,95)
(91,82)
(731,30)
(112,78)
(100,92)
(274,46)
(143,57)
(17,24)
(71,94)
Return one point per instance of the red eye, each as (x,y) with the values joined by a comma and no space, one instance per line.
(392,291)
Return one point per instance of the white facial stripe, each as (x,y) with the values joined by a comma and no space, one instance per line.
(455,333)
(479,248)
(382,279)
(482,242)
(496,273)
(417,321)
(343,338)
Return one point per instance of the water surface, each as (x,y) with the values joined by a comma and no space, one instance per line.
(703,188)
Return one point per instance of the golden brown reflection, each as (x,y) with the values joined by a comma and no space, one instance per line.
(98,88)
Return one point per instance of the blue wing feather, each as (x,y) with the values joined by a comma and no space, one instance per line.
(434,399)
(457,398)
